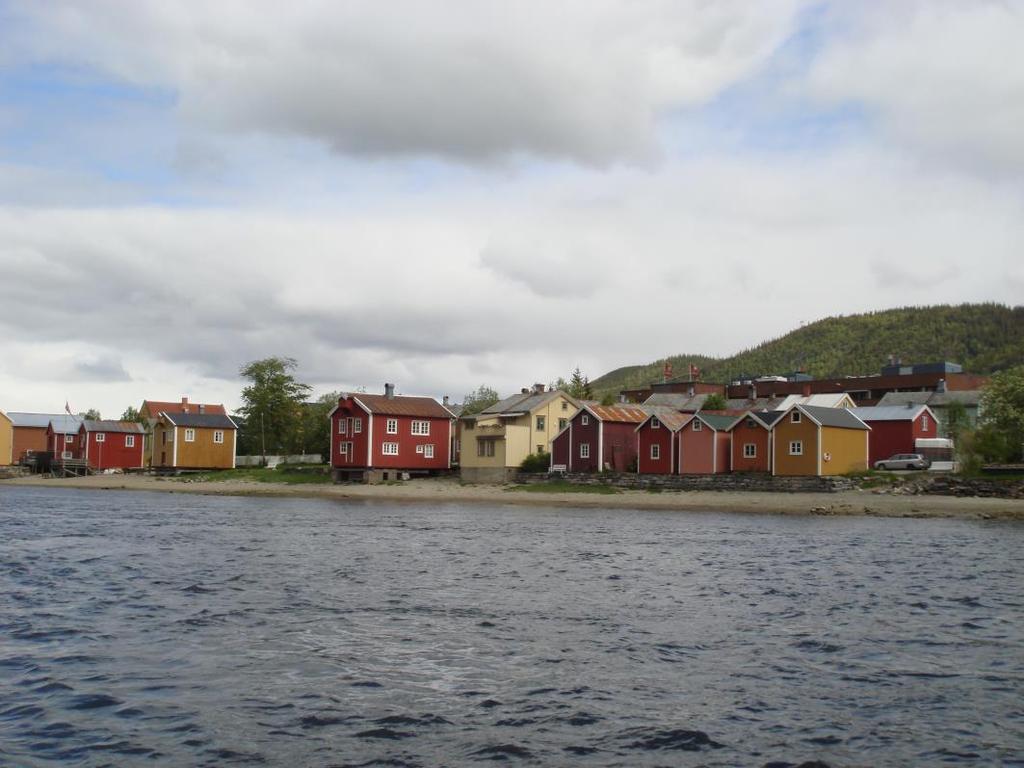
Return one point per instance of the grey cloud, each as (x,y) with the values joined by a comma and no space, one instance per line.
(543,268)
(100,369)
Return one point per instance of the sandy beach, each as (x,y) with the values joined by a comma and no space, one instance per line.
(450,490)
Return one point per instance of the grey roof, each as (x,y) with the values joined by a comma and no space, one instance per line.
(113,426)
(768,418)
(907,412)
(969,397)
(678,400)
(756,404)
(833,417)
(66,425)
(717,421)
(208,420)
(902,398)
(523,403)
(38,420)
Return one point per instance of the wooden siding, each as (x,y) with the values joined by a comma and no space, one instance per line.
(786,431)
(112,452)
(6,441)
(742,434)
(891,437)
(665,439)
(201,453)
(368,445)
(847,450)
(26,439)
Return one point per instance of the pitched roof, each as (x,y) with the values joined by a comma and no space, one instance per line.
(822,400)
(63,424)
(524,402)
(208,420)
(158,406)
(37,420)
(756,404)
(902,398)
(113,426)
(673,420)
(402,405)
(963,396)
(833,417)
(907,412)
(766,419)
(627,414)
(718,421)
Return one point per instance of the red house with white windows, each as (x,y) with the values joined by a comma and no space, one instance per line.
(380,437)
(751,441)
(111,444)
(705,444)
(62,435)
(599,438)
(896,428)
(657,443)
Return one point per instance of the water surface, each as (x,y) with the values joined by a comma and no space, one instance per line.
(142,628)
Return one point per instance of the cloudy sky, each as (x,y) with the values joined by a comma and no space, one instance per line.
(449,194)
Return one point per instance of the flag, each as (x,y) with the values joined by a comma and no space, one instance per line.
(67,407)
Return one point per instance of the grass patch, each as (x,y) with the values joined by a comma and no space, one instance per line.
(283,475)
(560,486)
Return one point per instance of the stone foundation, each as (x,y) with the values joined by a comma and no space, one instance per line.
(739,481)
(490,475)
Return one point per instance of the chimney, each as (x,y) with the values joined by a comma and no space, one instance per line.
(538,389)
(444,401)
(941,386)
(184,405)
(752,391)
(806,389)
(389,391)
(202,408)
(524,391)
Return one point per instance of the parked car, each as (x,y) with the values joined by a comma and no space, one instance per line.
(904,461)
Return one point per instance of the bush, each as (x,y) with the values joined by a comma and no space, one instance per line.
(536,463)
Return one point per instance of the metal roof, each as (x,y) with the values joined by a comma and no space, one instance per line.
(36,420)
(671,419)
(158,406)
(833,417)
(208,420)
(628,414)
(907,412)
(402,405)
(716,421)
(113,426)
(524,402)
(63,424)
(962,396)
(901,398)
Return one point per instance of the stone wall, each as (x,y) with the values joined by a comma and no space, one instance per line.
(733,482)
(489,475)
(273,461)
(949,485)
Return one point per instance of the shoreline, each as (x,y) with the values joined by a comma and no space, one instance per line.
(443,490)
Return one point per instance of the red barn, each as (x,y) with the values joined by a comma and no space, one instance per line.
(751,444)
(704,444)
(599,437)
(896,428)
(111,444)
(657,443)
(62,434)
(377,437)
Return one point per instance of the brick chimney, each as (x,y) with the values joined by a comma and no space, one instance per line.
(184,405)
(389,391)
(538,389)
(806,389)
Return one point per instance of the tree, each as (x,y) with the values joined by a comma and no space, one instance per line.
(314,431)
(1002,416)
(714,402)
(272,404)
(131,413)
(474,402)
(579,386)
(91,415)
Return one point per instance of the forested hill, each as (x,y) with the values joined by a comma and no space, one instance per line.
(981,337)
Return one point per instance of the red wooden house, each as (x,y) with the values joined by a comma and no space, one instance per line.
(657,443)
(751,444)
(896,428)
(704,444)
(62,435)
(378,437)
(111,444)
(599,437)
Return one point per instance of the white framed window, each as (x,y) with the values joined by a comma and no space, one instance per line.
(392,427)
(390,449)
(655,424)
(655,451)
(357,425)
(541,424)
(190,435)
(565,406)
(924,422)
(698,425)
(69,439)
(484,447)
(343,448)
(750,423)
(585,419)
(428,451)
(129,441)
(65,454)
(562,424)
(750,450)
(796,447)
(419,449)
(421,427)
(218,436)
(584,450)
(101,437)
(342,426)
(795,417)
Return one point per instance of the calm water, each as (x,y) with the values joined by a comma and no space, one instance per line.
(183,630)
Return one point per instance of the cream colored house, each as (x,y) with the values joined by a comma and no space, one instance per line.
(6,440)
(496,440)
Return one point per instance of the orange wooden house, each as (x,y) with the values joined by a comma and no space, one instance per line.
(751,441)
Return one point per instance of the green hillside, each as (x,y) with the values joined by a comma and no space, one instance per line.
(981,337)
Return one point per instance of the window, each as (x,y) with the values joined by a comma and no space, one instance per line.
(655,451)
(357,426)
(342,426)
(562,424)
(218,436)
(421,427)
(924,422)
(655,424)
(796,448)
(129,441)
(68,439)
(584,450)
(540,424)
(540,449)
(65,454)
(750,423)
(697,425)
(585,419)
(390,449)
(428,451)
(795,417)
(343,448)
(484,447)
(190,435)
(392,427)
(419,449)
(101,437)
(565,406)
(749,450)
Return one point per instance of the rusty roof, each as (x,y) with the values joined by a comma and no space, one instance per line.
(673,420)
(629,414)
(158,406)
(401,405)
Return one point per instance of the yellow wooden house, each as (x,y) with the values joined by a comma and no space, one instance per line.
(811,440)
(194,441)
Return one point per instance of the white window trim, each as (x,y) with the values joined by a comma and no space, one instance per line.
(218,436)
(798,445)
(428,451)
(357,425)
(342,428)
(795,417)
(389,449)
(419,449)
(924,422)
(655,452)
(584,420)
(101,437)
(584,450)
(698,426)
(69,439)
(655,424)
(541,423)
(65,454)
(129,441)
(391,427)
(750,450)
(420,427)
(190,435)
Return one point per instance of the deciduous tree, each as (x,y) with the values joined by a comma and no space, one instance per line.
(272,404)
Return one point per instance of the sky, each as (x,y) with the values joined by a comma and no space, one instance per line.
(484,192)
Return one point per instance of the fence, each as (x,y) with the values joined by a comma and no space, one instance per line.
(273,461)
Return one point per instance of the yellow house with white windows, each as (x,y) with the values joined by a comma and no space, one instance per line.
(194,441)
(496,440)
